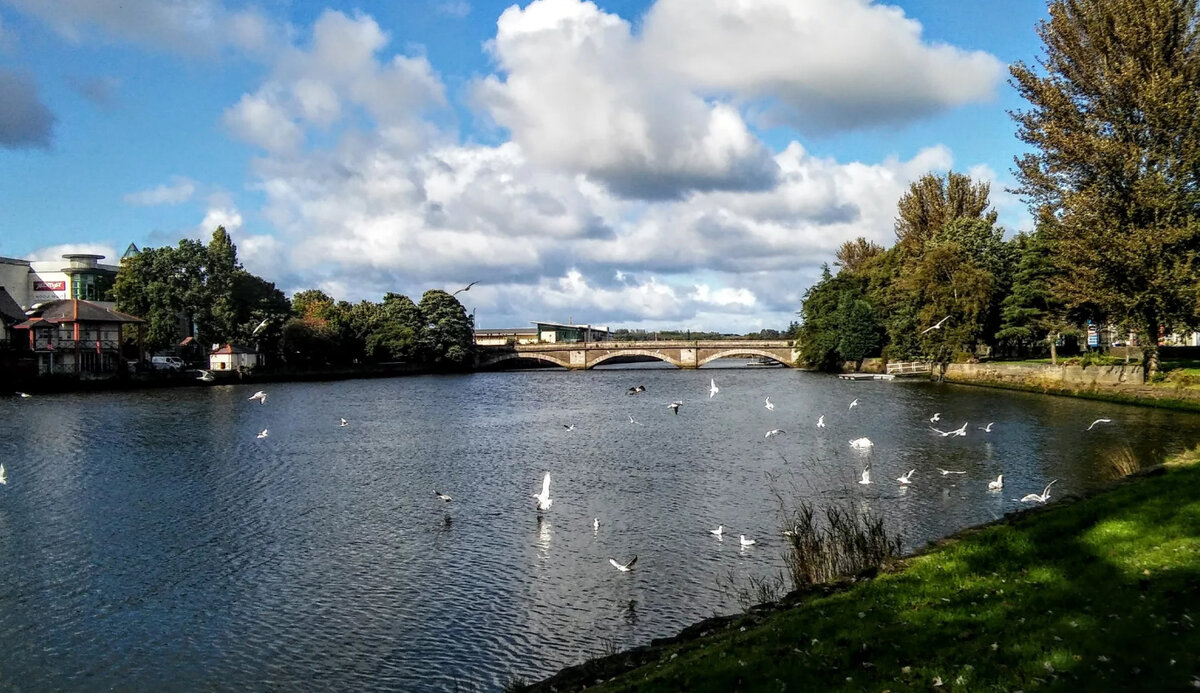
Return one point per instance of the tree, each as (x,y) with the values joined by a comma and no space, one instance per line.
(934,201)
(448,338)
(397,333)
(853,254)
(165,287)
(1115,128)
(860,329)
(1032,312)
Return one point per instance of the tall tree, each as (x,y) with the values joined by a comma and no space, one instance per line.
(934,201)
(1115,128)
(449,335)
(221,268)
(860,329)
(1032,313)
(852,255)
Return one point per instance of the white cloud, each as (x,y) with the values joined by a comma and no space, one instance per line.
(55,252)
(179,190)
(453,8)
(24,120)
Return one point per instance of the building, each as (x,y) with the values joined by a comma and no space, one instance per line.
(231,357)
(554,333)
(10,315)
(74,337)
(504,337)
(77,276)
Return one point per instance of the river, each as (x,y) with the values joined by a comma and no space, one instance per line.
(151,541)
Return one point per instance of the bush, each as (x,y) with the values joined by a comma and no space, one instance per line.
(846,544)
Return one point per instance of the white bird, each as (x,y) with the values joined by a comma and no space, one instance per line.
(961,430)
(3,475)
(821,421)
(861,443)
(569,427)
(987,428)
(442,496)
(596,524)
(718,531)
(866,476)
(263,434)
(935,326)
(623,568)
(948,472)
(635,390)
(260,396)
(746,542)
(343,422)
(1038,497)
(712,387)
(260,326)
(24,395)
(1097,421)
(465,288)
(852,404)
(937,416)
(769,405)
(906,479)
(774,432)
(633,421)
(674,406)
(543,499)
(206,376)
(997,484)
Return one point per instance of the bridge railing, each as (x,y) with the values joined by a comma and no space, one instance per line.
(901,367)
(688,344)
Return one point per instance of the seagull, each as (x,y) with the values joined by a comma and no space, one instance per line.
(997,484)
(746,542)
(442,496)
(260,396)
(718,531)
(674,406)
(866,476)
(632,421)
(712,387)
(906,479)
(569,427)
(344,422)
(821,421)
(596,524)
(936,326)
(852,404)
(1038,497)
(206,376)
(263,434)
(774,432)
(623,568)
(465,288)
(260,326)
(948,472)
(1099,421)
(861,443)
(636,390)
(961,430)
(543,499)
(769,405)
(937,416)
(3,475)
(24,395)
(987,428)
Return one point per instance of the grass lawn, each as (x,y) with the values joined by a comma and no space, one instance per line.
(1100,594)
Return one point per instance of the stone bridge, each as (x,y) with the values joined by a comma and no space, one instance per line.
(682,354)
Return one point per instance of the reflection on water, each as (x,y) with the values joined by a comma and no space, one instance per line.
(148,539)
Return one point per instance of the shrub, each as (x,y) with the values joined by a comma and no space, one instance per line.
(845,544)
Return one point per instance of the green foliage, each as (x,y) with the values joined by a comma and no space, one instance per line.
(860,328)
(838,323)
(933,202)
(448,338)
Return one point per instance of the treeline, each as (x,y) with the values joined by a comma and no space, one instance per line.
(203,291)
(1112,176)
(625,335)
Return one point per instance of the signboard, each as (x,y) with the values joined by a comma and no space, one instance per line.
(1093,336)
(39,285)
(44,290)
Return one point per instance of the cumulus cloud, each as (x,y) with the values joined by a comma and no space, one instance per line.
(55,252)
(179,190)
(24,120)
(101,91)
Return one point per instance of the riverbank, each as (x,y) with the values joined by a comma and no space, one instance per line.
(1120,384)
(1100,593)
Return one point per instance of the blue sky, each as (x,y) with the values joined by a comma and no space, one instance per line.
(679,163)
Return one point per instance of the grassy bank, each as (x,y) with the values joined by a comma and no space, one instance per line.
(1160,396)
(1098,594)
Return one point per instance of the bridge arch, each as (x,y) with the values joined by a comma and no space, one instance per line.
(636,352)
(522,355)
(744,351)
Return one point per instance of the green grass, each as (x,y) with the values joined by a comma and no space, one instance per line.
(1102,594)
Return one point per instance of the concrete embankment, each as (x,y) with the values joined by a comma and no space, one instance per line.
(1118,383)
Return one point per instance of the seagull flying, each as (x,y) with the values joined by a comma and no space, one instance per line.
(1038,497)
(712,387)
(937,416)
(569,427)
(625,567)
(263,434)
(997,484)
(633,421)
(935,326)
(769,405)
(442,496)
(465,288)
(260,326)
(948,472)
(821,421)
(1097,421)
(866,476)
(906,479)
(861,443)
(543,499)
(343,422)
(987,428)
(636,390)
(206,376)
(260,396)
(718,531)
(852,404)
(3,475)
(746,542)
(674,406)
(774,432)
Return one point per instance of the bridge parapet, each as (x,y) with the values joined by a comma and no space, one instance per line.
(679,353)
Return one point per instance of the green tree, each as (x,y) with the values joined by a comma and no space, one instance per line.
(166,288)
(934,201)
(397,334)
(859,327)
(448,338)
(1114,125)
(852,255)
(1032,312)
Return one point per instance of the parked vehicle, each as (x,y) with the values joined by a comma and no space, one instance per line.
(167,363)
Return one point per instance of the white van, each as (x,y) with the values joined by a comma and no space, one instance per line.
(166,363)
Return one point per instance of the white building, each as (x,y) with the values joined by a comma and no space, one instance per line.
(231,357)
(76,276)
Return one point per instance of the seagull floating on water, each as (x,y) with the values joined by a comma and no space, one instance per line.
(260,396)
(1099,421)
(948,472)
(720,530)
(937,416)
(821,421)
(852,404)
(746,542)
(343,422)
(263,434)
(769,405)
(674,406)
(3,475)
(712,387)
(861,443)
(443,496)
(543,499)
(866,476)
(24,395)
(596,524)
(1038,497)
(906,479)
(936,325)
(624,568)
(997,483)
(774,432)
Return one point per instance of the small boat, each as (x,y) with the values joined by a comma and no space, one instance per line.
(762,362)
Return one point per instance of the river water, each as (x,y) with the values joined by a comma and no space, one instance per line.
(151,541)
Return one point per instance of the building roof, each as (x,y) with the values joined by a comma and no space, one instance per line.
(10,310)
(598,328)
(232,349)
(76,310)
(508,330)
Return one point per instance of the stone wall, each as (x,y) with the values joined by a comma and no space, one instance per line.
(1045,375)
